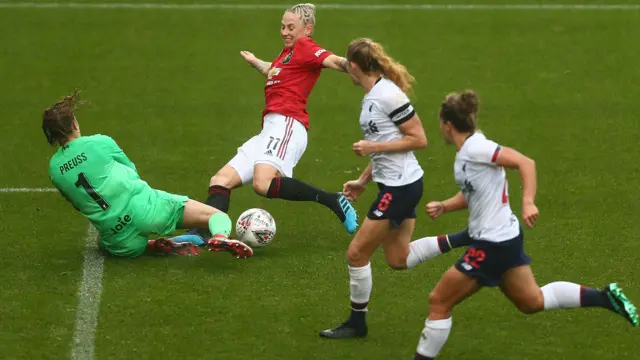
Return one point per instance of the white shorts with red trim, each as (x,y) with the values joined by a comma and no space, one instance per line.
(280,144)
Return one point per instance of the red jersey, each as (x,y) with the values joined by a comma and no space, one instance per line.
(292,77)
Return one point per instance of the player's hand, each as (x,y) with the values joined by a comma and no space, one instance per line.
(529,214)
(352,189)
(249,57)
(435,209)
(363,147)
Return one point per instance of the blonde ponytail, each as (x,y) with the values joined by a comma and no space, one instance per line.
(392,69)
(371,58)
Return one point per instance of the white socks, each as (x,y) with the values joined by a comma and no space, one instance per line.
(561,295)
(433,337)
(360,282)
(422,250)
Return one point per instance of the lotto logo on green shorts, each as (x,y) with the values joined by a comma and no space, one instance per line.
(122,222)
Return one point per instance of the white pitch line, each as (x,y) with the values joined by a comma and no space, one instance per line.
(27,190)
(89,292)
(88,299)
(370,7)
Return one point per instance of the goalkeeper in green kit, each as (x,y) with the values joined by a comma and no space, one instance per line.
(98,179)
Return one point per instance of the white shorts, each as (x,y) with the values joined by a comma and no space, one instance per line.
(280,144)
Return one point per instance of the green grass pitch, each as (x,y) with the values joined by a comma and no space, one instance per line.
(171,88)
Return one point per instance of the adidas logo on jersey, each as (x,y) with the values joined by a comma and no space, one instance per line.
(268,152)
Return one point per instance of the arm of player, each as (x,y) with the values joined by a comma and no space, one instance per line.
(263,67)
(414,139)
(335,62)
(365,178)
(117,154)
(455,203)
(352,189)
(512,159)
(122,158)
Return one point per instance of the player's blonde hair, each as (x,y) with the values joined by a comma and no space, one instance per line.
(371,58)
(461,110)
(306,11)
(57,120)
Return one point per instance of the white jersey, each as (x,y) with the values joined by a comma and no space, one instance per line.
(484,186)
(384,108)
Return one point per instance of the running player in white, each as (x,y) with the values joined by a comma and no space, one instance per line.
(392,131)
(496,255)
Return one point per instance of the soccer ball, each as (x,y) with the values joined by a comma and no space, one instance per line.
(256,227)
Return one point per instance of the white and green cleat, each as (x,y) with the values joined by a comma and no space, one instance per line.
(621,304)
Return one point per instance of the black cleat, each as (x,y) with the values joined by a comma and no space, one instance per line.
(344,331)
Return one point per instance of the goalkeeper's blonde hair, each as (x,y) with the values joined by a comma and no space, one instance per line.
(306,11)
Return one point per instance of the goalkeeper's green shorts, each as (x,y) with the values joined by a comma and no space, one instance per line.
(151,212)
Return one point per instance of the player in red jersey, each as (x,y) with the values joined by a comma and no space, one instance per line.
(267,159)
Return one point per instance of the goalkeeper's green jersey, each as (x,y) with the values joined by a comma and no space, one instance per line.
(97,178)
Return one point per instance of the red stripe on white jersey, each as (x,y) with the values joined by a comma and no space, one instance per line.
(495,154)
(505,195)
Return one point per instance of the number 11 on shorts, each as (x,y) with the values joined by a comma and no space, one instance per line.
(275,145)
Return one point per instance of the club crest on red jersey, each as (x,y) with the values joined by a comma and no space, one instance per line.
(273,72)
(287,58)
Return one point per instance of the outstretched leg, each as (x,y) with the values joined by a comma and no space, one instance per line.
(198,215)
(430,247)
(268,182)
(219,195)
(165,246)
(220,186)
(520,286)
(403,254)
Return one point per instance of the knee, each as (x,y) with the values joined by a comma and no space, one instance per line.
(263,175)
(221,179)
(531,304)
(439,306)
(435,299)
(397,258)
(355,257)
(397,264)
(261,185)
